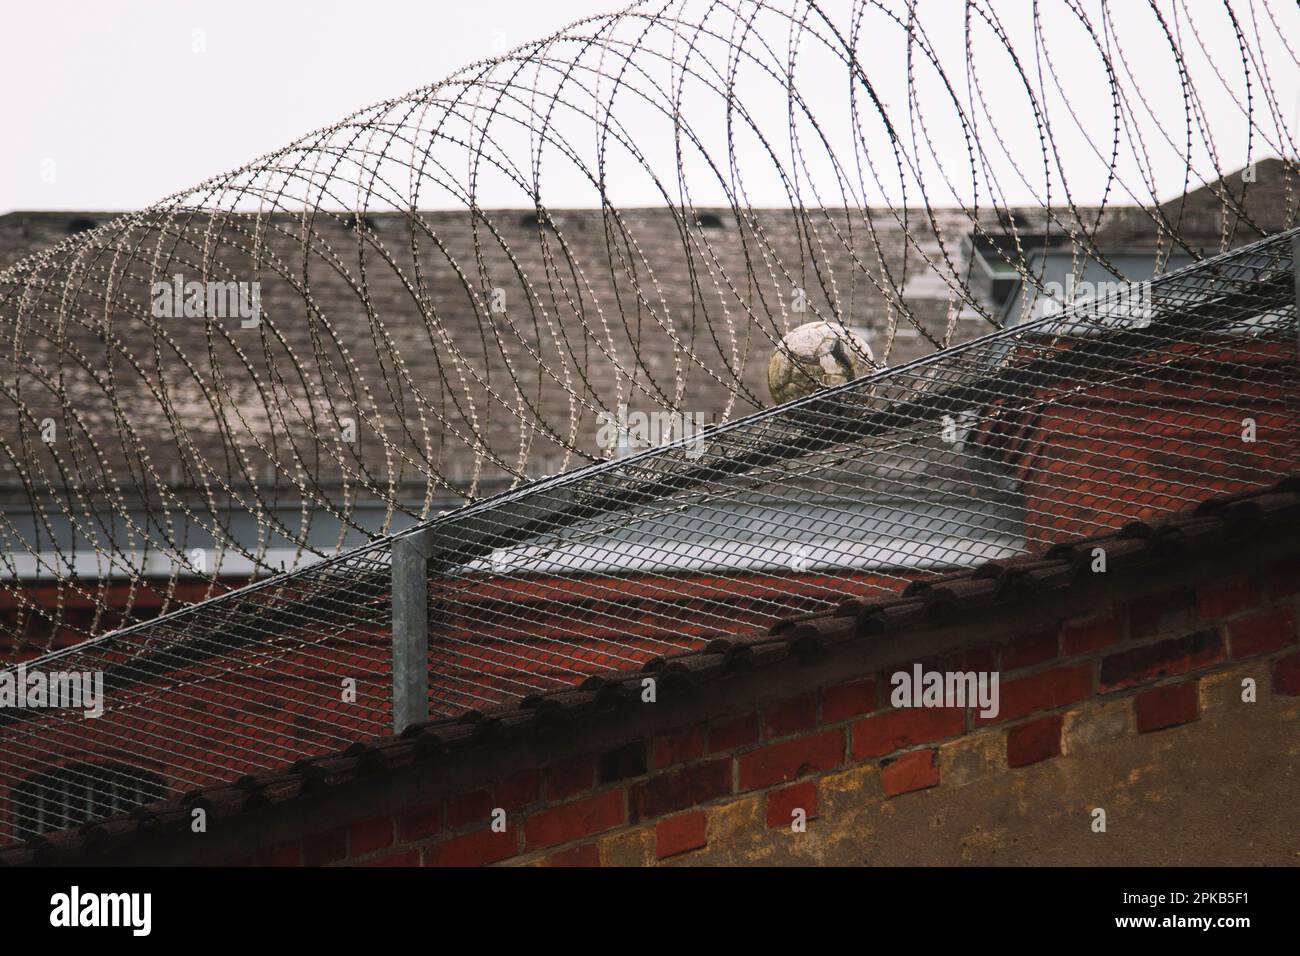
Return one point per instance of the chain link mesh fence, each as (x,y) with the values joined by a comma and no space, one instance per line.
(222,412)
(1122,409)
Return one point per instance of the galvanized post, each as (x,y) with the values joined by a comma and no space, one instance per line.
(1295,269)
(410,597)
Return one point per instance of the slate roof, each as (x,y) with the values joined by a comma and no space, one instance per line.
(678,290)
(1267,203)
(335,336)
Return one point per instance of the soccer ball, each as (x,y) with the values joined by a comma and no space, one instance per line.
(817,355)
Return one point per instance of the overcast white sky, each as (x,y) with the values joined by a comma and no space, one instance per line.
(114,104)
(114,93)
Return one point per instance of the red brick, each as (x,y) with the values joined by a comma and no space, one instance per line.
(1262,633)
(781,804)
(1218,599)
(1030,649)
(286,854)
(1167,706)
(733,733)
(972,659)
(898,729)
(1286,676)
(474,849)
(400,858)
(1282,579)
(571,777)
(914,771)
(1037,740)
(1046,691)
(622,762)
(786,717)
(466,808)
(1166,658)
(778,763)
(678,747)
(370,835)
(1159,612)
(572,821)
(325,848)
(586,855)
(1091,634)
(848,700)
(676,790)
(680,834)
(418,822)
(886,675)
(518,791)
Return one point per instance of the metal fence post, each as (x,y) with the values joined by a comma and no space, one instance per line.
(1295,269)
(410,597)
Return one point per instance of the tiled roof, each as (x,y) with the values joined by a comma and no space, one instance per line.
(337,331)
(992,588)
(1268,202)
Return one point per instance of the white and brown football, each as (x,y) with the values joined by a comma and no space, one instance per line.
(817,355)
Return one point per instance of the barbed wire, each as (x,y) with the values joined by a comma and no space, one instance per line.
(387,321)
(411,361)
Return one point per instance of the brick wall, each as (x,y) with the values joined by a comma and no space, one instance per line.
(1179,429)
(210,736)
(1132,704)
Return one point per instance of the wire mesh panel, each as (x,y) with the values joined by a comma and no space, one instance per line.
(1155,398)
(394,316)
(248,682)
(823,314)
(1148,401)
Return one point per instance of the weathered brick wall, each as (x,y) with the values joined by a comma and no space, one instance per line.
(1181,429)
(211,734)
(1131,703)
